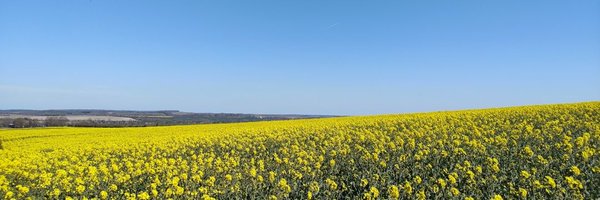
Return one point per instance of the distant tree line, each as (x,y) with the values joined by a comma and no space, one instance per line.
(63,121)
(30,123)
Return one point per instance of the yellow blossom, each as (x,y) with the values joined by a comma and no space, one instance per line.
(525,174)
(393,192)
(442,182)
(551,181)
(497,197)
(144,196)
(575,170)
(332,185)
(80,189)
(374,192)
(103,195)
(407,188)
(523,193)
(454,191)
(421,195)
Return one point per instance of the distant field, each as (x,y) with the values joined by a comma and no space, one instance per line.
(129,118)
(531,152)
(73,117)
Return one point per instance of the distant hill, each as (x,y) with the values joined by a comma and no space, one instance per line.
(126,118)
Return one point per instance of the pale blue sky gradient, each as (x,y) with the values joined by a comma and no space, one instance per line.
(306,57)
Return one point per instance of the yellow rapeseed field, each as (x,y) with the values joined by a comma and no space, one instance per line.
(532,152)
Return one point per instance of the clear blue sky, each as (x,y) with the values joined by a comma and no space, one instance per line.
(307,57)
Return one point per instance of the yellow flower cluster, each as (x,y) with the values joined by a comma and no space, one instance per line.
(532,152)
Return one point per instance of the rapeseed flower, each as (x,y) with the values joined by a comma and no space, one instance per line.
(539,151)
(393,192)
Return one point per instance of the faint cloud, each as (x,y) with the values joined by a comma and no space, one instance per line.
(333,25)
